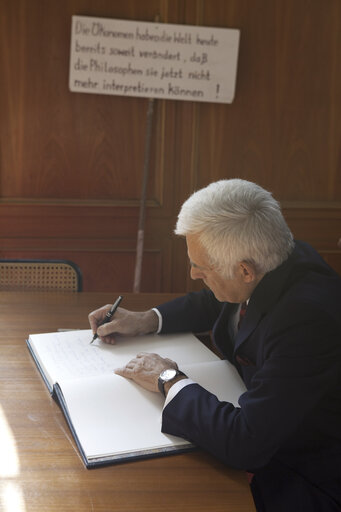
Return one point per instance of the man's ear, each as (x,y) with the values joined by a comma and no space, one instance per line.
(247,271)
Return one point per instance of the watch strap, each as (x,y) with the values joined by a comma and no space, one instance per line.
(161,383)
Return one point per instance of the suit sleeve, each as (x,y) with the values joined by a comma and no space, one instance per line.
(194,312)
(284,401)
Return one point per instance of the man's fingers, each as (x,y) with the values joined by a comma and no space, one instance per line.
(105,330)
(96,318)
(124,372)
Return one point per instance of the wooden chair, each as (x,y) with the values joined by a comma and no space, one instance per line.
(39,275)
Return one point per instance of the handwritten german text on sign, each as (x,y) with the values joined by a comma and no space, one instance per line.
(134,58)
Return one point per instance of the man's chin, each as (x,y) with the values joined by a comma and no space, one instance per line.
(220,299)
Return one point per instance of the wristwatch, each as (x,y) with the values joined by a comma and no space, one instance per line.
(167,376)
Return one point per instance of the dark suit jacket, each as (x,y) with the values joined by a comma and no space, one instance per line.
(289,348)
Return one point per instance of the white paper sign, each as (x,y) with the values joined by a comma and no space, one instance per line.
(153,60)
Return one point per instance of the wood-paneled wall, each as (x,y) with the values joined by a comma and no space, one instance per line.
(71,164)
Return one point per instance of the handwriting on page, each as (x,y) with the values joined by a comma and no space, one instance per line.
(92,361)
(70,355)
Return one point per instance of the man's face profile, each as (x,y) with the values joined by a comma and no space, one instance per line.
(237,289)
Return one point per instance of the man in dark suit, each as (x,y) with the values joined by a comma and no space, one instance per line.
(286,346)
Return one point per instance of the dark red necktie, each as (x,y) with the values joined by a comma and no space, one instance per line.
(242,313)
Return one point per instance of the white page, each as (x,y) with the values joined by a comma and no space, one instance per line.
(114,415)
(219,377)
(68,355)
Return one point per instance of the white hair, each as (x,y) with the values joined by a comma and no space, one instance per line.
(237,220)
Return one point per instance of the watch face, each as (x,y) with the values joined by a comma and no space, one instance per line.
(168,374)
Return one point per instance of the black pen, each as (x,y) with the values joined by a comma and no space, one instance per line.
(109,315)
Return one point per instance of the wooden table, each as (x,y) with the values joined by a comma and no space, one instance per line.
(40,468)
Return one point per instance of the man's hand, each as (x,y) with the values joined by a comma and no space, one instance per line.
(124,322)
(145,369)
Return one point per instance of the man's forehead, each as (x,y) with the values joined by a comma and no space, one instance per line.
(196,253)
(194,244)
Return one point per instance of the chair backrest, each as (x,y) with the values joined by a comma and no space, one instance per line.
(39,275)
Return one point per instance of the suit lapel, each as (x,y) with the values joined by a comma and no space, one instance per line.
(250,321)
(220,333)
(263,299)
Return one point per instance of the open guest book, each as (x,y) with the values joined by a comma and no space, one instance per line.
(112,419)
